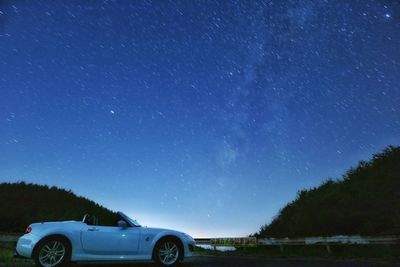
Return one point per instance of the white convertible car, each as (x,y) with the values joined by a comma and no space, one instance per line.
(59,243)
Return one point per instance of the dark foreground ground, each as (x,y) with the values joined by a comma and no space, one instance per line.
(211,261)
(310,256)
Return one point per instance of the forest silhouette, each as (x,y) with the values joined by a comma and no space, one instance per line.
(22,204)
(365,201)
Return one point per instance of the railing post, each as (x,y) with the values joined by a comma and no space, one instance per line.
(328,248)
(281,247)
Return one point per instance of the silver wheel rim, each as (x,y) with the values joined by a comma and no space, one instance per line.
(168,253)
(52,253)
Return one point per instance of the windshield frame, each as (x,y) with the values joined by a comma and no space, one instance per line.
(131,222)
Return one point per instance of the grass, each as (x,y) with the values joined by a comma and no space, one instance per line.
(381,253)
(6,255)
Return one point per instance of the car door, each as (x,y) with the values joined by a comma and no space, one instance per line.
(107,240)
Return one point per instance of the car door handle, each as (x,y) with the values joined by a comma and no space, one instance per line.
(93,229)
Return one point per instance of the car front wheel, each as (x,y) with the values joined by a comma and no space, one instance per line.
(167,253)
(52,252)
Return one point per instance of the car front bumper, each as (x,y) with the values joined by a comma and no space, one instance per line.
(189,248)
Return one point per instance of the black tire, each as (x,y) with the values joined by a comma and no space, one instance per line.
(49,251)
(163,259)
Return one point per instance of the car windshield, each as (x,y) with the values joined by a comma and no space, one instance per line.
(130,220)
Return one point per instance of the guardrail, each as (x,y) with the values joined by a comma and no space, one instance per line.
(227,241)
(328,241)
(234,241)
(8,238)
(281,242)
(201,241)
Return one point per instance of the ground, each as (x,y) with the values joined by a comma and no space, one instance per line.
(212,261)
(272,257)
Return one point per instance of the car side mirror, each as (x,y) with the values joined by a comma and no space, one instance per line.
(122,224)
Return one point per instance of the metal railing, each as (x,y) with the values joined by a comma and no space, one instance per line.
(328,241)
(281,242)
(8,238)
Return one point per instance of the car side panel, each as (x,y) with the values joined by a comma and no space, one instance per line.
(108,240)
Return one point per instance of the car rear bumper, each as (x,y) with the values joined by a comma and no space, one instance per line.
(25,246)
(19,256)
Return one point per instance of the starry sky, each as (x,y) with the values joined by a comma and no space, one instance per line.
(202,116)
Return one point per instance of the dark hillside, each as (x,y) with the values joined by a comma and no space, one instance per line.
(22,204)
(366,201)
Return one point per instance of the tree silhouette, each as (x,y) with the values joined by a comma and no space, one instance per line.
(366,201)
(22,204)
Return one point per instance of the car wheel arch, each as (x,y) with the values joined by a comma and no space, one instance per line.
(170,237)
(59,236)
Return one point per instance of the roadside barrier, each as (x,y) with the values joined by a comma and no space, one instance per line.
(281,242)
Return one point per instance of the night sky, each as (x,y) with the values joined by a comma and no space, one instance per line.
(202,116)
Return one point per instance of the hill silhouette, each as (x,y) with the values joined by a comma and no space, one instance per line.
(22,204)
(366,201)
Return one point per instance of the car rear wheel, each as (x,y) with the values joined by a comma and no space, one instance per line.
(167,253)
(52,252)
